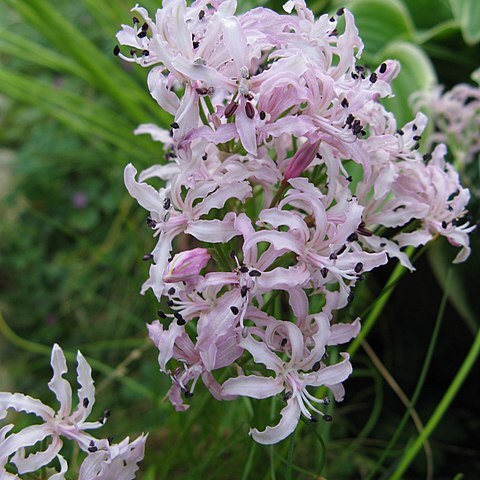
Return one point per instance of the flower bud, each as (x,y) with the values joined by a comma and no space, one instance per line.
(301,160)
(186,266)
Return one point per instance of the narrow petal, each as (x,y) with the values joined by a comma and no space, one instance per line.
(253,386)
(58,385)
(290,415)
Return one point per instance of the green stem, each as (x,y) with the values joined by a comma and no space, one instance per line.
(387,291)
(442,407)
(291,449)
(283,186)
(421,378)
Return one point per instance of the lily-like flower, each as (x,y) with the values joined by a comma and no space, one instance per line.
(65,424)
(292,377)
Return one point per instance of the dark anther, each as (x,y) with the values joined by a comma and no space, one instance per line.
(349,178)
(313,419)
(92,448)
(353,237)
(400,207)
(179,317)
(147,257)
(204,156)
(106,413)
(373,77)
(383,244)
(181,321)
(249,110)
(145,27)
(262,115)
(254,273)
(417,138)
(110,440)
(85,402)
(416,146)
(244,290)
(188,394)
(142,34)
(359,68)
(354,76)
(324,272)
(283,342)
(133,52)
(174,125)
(135,20)
(350,297)
(202,90)
(383,68)
(243,269)
(161,314)
(231,109)
(427,157)
(201,14)
(340,11)
(332,19)
(414,127)
(234,309)
(170,303)
(345,103)
(151,223)
(358,267)
(444,224)
(333,256)
(316,366)
(171,290)
(167,203)
(328,418)
(146,53)
(233,255)
(318,156)
(362,230)
(196,44)
(116,50)
(400,131)
(349,119)
(288,395)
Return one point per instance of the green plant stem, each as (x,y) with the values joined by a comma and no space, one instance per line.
(34,347)
(380,304)
(281,190)
(291,449)
(442,407)
(421,378)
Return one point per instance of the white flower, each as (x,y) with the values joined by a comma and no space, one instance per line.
(116,461)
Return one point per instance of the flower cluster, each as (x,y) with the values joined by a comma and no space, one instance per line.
(285,181)
(456,117)
(105,460)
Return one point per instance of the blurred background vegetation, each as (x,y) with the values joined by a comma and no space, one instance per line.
(71,243)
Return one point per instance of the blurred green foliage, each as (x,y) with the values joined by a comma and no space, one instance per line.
(71,243)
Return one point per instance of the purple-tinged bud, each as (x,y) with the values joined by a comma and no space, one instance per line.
(186,266)
(301,160)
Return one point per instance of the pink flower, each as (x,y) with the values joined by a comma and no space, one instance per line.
(186,265)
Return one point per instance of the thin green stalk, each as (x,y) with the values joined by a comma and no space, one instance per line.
(291,449)
(442,407)
(249,463)
(380,304)
(281,190)
(421,378)
(34,347)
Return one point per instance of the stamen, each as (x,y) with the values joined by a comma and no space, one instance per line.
(201,14)
(383,68)
(230,109)
(171,290)
(161,314)
(167,203)
(85,402)
(262,115)
(358,267)
(316,366)
(254,273)
(249,110)
(116,50)
(373,77)
(147,257)
(234,310)
(324,272)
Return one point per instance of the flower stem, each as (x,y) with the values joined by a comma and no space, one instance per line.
(283,186)
(442,407)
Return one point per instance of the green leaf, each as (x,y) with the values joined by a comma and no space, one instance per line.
(426,17)
(381,22)
(417,73)
(467,12)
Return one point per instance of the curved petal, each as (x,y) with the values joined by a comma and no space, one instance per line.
(58,385)
(261,353)
(144,194)
(344,332)
(253,386)
(24,403)
(287,424)
(36,460)
(332,374)
(86,392)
